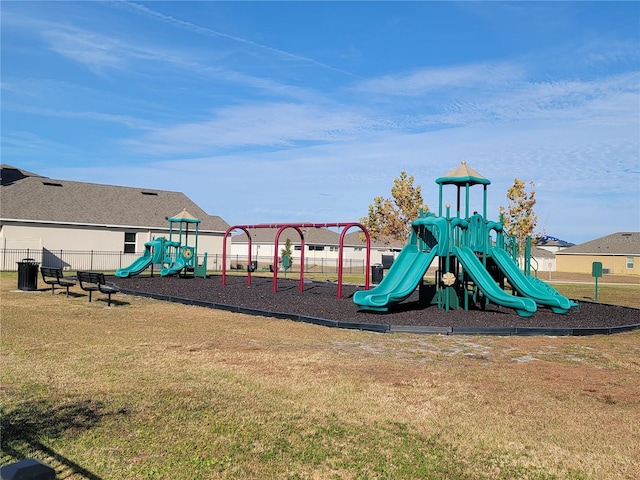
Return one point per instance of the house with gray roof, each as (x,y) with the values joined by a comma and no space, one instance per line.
(618,252)
(41,214)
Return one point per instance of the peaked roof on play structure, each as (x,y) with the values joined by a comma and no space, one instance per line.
(184,216)
(462,175)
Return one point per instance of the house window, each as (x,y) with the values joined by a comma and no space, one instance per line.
(333,249)
(129,242)
(630,263)
(357,249)
(317,248)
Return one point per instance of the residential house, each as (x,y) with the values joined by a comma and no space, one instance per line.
(49,217)
(619,254)
(552,244)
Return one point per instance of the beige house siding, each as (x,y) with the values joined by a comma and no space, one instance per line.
(44,240)
(615,264)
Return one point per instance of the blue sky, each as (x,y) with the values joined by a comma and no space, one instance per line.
(305,111)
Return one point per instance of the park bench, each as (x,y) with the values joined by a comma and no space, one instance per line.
(95,282)
(53,276)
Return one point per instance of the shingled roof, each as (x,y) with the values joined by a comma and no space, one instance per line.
(621,243)
(354,239)
(25,196)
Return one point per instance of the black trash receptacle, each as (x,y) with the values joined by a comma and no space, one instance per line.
(376,273)
(28,274)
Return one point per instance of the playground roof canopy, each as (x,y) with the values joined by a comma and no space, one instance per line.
(184,216)
(462,175)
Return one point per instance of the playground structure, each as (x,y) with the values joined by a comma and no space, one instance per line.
(174,255)
(297,227)
(475,257)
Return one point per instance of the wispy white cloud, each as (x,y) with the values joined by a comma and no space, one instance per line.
(433,79)
(284,124)
(257,125)
(96,52)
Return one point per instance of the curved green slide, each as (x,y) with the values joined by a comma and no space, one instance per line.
(401,280)
(174,268)
(526,286)
(525,307)
(141,263)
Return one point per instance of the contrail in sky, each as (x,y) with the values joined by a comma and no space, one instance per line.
(215,33)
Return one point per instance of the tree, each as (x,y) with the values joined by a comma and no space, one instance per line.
(287,252)
(390,219)
(519,219)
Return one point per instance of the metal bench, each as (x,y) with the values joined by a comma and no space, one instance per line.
(95,282)
(53,276)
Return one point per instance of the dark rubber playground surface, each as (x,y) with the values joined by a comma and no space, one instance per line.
(318,303)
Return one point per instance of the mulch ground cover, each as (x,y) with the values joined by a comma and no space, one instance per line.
(319,299)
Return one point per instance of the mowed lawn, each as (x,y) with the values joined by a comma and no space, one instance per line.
(147,389)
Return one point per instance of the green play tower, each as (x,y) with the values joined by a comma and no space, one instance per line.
(473,265)
(178,254)
(174,254)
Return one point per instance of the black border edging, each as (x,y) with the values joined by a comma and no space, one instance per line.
(385,328)
(501,331)
(420,329)
(624,328)
(547,331)
(580,332)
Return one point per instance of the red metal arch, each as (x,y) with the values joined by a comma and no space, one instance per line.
(297,226)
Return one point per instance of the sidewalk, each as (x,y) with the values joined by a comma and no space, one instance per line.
(566,277)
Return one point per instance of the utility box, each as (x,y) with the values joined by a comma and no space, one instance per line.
(28,274)
(377,271)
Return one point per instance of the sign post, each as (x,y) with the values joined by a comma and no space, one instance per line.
(596,271)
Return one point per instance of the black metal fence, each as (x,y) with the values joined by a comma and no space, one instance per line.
(311,265)
(108,261)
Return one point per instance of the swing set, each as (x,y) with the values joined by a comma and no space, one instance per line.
(297,227)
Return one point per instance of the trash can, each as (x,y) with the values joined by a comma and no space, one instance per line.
(28,274)
(376,273)
(29,468)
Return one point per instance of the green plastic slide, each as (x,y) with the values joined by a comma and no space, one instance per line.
(400,281)
(526,287)
(174,268)
(525,307)
(142,263)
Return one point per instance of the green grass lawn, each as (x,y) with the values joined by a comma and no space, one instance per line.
(153,390)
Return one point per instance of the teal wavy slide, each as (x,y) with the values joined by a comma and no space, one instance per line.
(138,266)
(400,281)
(525,307)
(140,263)
(528,287)
(174,268)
